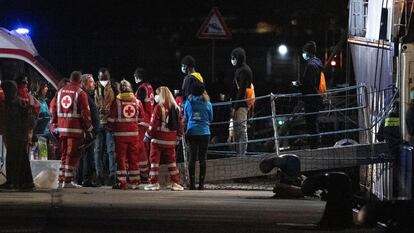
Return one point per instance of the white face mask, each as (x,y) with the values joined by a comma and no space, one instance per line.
(233,61)
(157,98)
(137,79)
(104,82)
(305,56)
(184,69)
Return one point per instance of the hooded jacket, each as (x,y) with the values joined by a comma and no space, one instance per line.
(243,78)
(311,76)
(198,114)
(124,116)
(189,82)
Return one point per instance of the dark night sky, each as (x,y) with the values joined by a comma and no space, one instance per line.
(156,34)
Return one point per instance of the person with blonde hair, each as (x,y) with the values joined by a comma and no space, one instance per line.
(123,122)
(166,127)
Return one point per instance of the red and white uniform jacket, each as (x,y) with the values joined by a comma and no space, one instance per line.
(124,117)
(159,133)
(27,99)
(148,104)
(70,111)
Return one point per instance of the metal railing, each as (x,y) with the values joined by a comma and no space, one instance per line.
(361,91)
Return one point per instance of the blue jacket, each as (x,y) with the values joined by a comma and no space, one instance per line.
(198,114)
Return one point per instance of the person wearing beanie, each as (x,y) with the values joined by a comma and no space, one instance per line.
(123,122)
(198,114)
(243,79)
(192,77)
(309,85)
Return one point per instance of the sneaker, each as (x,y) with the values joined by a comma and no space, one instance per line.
(133,186)
(71,185)
(176,187)
(60,185)
(152,187)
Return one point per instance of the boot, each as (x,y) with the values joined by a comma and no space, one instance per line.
(201,183)
(192,183)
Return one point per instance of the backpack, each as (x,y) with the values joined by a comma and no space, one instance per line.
(173,118)
(322,84)
(250,96)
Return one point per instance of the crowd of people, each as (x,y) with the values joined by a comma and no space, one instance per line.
(109,135)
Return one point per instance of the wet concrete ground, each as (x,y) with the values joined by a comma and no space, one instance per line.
(107,210)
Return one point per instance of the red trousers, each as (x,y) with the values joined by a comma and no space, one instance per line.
(144,155)
(69,157)
(127,158)
(169,156)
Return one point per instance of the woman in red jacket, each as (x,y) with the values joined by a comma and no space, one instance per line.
(123,121)
(166,127)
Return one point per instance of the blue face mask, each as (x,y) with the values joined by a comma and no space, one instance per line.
(305,56)
(412,95)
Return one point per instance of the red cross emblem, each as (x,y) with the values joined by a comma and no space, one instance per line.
(66,102)
(128,111)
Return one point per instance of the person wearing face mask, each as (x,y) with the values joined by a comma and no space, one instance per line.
(104,96)
(309,85)
(145,93)
(192,77)
(165,131)
(243,79)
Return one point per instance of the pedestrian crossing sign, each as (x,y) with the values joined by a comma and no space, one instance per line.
(214,27)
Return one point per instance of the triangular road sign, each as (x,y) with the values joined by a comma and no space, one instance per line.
(214,27)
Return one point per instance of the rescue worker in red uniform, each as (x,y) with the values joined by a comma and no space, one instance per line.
(123,122)
(72,118)
(145,94)
(27,99)
(165,129)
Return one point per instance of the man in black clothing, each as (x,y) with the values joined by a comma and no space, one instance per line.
(18,123)
(243,78)
(309,85)
(87,162)
(192,77)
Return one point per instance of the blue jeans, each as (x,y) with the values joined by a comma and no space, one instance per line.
(104,137)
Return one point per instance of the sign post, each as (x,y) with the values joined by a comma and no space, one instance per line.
(214,28)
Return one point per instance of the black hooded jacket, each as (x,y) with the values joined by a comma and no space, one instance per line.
(243,78)
(311,76)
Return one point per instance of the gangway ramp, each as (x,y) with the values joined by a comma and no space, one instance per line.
(311,160)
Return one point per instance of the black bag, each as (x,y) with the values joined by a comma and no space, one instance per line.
(173,118)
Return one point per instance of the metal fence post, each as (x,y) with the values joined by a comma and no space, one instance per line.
(368,134)
(275,134)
